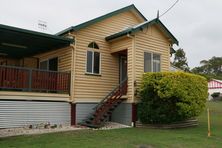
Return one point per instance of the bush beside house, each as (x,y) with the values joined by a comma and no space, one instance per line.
(168,97)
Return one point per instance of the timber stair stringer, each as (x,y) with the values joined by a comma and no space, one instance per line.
(103,110)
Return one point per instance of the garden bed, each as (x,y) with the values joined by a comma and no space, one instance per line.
(175,125)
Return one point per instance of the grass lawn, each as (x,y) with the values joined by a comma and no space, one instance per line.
(133,137)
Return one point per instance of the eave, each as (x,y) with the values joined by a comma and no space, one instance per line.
(140,27)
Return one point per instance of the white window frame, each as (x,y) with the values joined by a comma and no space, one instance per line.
(152,60)
(93,51)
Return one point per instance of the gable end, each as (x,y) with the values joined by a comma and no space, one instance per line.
(141,27)
(98,19)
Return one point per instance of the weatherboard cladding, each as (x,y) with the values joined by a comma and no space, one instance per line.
(97,87)
(129,30)
(64,58)
(101,18)
(153,41)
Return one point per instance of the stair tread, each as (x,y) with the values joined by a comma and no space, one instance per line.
(105,108)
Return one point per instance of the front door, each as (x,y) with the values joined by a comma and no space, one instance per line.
(123,68)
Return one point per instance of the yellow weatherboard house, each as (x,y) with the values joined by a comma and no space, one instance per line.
(86,74)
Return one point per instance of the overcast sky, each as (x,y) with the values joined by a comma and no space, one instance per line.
(197,24)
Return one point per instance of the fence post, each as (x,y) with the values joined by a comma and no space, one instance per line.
(208,118)
(30,80)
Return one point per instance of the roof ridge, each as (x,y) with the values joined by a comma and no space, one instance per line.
(102,17)
(141,26)
(143,23)
(220,81)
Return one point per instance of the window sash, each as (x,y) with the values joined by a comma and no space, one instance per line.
(44,65)
(47,63)
(152,62)
(147,62)
(93,66)
(89,63)
(96,62)
(156,63)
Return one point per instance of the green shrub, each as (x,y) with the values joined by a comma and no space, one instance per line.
(215,94)
(171,96)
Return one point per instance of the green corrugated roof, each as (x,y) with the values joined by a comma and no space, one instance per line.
(17,42)
(98,19)
(140,27)
(40,34)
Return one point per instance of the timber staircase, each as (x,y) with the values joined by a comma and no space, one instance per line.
(103,110)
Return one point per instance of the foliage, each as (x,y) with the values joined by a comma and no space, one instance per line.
(211,69)
(171,96)
(215,94)
(180,60)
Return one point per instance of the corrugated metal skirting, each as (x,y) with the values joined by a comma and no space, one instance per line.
(123,114)
(83,110)
(21,113)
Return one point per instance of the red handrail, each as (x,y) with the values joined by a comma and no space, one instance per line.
(26,79)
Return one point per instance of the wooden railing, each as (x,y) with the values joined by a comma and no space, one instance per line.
(104,109)
(121,88)
(33,80)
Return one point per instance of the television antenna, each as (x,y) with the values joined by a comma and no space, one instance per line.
(42,25)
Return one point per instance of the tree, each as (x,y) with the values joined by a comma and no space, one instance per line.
(180,60)
(211,68)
